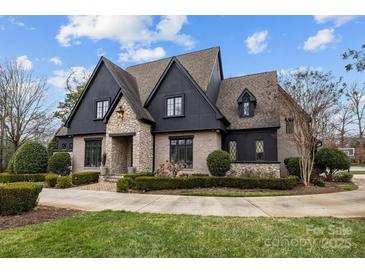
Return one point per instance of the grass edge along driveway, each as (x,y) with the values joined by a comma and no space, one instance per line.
(127,234)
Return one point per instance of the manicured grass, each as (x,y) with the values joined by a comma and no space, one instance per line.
(358,172)
(348,187)
(236,194)
(126,234)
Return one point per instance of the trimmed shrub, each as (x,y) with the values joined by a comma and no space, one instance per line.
(343,177)
(60,163)
(84,178)
(329,160)
(199,174)
(158,183)
(218,162)
(64,182)
(292,165)
(51,180)
(31,157)
(18,197)
(318,182)
(124,184)
(139,174)
(52,146)
(11,178)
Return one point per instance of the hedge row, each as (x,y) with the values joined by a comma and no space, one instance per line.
(83,178)
(11,178)
(18,197)
(158,183)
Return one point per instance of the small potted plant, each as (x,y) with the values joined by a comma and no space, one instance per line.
(103,168)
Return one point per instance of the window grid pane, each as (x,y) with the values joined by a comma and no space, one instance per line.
(101,108)
(246,108)
(174,106)
(259,150)
(233,150)
(289,125)
(93,153)
(181,151)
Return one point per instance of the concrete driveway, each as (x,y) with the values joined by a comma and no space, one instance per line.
(341,204)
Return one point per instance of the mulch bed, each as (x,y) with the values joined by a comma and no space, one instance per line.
(298,190)
(40,214)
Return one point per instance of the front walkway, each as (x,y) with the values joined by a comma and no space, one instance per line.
(340,204)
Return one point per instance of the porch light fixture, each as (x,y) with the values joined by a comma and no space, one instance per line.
(120,110)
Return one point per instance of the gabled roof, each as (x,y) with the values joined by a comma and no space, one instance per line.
(128,88)
(199,65)
(261,85)
(250,96)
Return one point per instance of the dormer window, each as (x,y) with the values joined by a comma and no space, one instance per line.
(246,104)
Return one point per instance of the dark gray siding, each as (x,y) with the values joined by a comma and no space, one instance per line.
(198,114)
(103,86)
(65,144)
(246,139)
(215,79)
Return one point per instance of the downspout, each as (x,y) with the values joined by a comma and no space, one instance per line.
(153,153)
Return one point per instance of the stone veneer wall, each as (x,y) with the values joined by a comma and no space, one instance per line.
(251,169)
(78,154)
(142,142)
(204,142)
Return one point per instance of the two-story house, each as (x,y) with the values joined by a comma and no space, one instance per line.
(179,109)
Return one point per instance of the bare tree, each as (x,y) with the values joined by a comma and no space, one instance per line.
(357,57)
(23,95)
(356,96)
(313,96)
(342,120)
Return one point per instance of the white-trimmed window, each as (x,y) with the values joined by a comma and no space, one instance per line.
(101,108)
(174,106)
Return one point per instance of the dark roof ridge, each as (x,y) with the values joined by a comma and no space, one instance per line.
(166,58)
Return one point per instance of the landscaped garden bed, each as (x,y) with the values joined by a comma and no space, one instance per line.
(128,234)
(255,192)
(40,214)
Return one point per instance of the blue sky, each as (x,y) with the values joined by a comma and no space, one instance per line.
(52,45)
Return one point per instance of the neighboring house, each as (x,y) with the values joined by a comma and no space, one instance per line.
(179,109)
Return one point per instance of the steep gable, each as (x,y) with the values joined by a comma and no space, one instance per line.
(264,87)
(199,64)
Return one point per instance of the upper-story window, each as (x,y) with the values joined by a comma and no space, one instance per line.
(246,104)
(174,106)
(289,125)
(101,108)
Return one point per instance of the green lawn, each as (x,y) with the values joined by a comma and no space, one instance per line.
(236,194)
(347,187)
(126,234)
(358,172)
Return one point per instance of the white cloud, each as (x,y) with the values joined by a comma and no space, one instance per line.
(24,63)
(59,77)
(291,71)
(337,20)
(133,33)
(256,43)
(2,27)
(142,55)
(56,61)
(321,40)
(20,24)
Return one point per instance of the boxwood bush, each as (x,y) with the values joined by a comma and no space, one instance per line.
(64,182)
(83,178)
(11,178)
(158,183)
(31,157)
(292,165)
(124,184)
(218,162)
(10,166)
(60,163)
(138,174)
(51,180)
(18,197)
